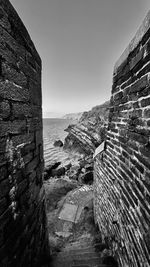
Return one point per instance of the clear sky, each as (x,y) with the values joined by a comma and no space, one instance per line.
(79,42)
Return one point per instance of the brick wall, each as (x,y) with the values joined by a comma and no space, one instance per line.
(23,236)
(122,172)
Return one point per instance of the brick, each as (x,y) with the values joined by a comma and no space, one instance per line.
(141,159)
(138,137)
(118,96)
(147,113)
(139,85)
(145,102)
(145,151)
(134,61)
(136,113)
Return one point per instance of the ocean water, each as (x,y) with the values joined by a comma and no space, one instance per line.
(53,129)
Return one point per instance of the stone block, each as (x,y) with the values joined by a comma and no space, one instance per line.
(21,111)
(4,188)
(15,127)
(3,172)
(145,102)
(139,85)
(147,113)
(10,91)
(21,187)
(32,165)
(138,137)
(4,109)
(3,205)
(138,57)
(13,76)
(4,22)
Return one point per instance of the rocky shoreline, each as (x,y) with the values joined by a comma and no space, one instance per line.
(81,171)
(82,140)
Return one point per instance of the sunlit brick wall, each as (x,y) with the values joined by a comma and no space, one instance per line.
(122,172)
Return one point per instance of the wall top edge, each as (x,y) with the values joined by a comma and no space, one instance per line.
(17,21)
(145,26)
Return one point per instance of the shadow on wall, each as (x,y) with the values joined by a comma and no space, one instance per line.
(23,232)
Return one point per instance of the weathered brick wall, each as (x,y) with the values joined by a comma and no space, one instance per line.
(122,172)
(23,236)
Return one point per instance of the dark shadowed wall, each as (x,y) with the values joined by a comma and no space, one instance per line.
(23,235)
(122,172)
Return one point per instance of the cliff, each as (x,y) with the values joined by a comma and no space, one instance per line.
(73,116)
(89,132)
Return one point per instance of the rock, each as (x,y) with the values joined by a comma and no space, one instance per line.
(46,175)
(89,132)
(87,178)
(68,166)
(58,172)
(89,167)
(55,190)
(73,176)
(48,170)
(75,168)
(110,261)
(83,170)
(58,143)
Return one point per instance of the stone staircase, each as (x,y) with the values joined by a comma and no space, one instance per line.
(81,253)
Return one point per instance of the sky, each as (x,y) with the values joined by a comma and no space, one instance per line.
(79,42)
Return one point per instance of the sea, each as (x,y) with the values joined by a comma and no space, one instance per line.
(53,129)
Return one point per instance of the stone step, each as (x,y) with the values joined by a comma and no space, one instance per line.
(77,256)
(85,265)
(82,243)
(90,261)
(79,251)
(61,263)
(97,246)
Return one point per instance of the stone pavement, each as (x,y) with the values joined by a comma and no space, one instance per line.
(74,225)
(74,204)
(71,210)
